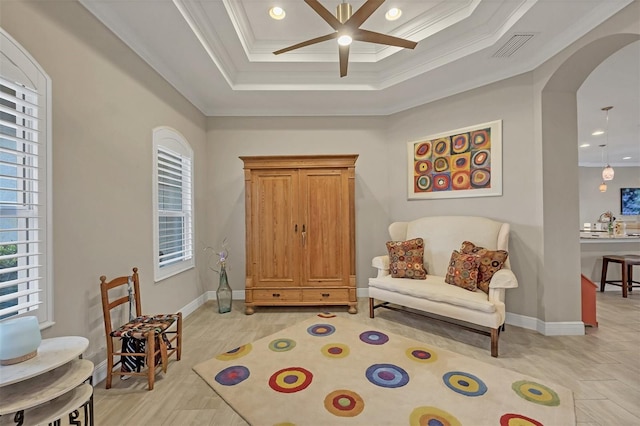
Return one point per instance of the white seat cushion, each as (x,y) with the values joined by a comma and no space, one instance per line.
(435,289)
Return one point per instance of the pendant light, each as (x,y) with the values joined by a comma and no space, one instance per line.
(607,172)
(603,186)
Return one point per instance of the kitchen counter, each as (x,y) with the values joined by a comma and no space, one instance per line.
(595,244)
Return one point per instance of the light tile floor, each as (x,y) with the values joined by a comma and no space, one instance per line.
(601,367)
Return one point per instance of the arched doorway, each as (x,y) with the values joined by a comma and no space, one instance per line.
(560,277)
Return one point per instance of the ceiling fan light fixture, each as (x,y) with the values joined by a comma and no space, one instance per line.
(346,26)
(393,14)
(345,40)
(277,13)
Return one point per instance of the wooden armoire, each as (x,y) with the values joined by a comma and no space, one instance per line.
(300,231)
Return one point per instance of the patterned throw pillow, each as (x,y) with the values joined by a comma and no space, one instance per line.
(463,270)
(491,261)
(406,259)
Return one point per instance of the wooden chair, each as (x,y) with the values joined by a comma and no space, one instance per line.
(162,338)
(627,262)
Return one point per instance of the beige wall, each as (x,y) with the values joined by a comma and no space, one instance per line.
(593,202)
(381,194)
(106,101)
(231,137)
(510,101)
(555,122)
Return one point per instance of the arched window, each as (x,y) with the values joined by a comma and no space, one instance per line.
(26,273)
(172,203)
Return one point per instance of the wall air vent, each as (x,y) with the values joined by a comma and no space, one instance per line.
(512,45)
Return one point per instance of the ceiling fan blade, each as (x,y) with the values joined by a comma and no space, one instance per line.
(344,60)
(363,13)
(378,38)
(307,43)
(324,13)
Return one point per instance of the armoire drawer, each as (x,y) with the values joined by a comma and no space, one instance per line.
(267,295)
(325,295)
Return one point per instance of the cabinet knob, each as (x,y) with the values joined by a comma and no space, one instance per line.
(325,294)
(276,294)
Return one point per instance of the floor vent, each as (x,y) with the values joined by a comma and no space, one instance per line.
(512,45)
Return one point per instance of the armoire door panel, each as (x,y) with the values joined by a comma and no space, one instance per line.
(325,246)
(276,236)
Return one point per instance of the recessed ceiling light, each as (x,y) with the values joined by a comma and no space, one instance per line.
(277,13)
(393,14)
(597,132)
(626,158)
(585,145)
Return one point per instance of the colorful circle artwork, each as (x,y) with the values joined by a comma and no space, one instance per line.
(326,315)
(421,354)
(460,143)
(387,375)
(511,419)
(440,164)
(423,167)
(321,330)
(282,345)
(236,353)
(461,180)
(432,416)
(537,393)
(423,183)
(422,150)
(441,182)
(480,158)
(374,337)
(233,375)
(441,146)
(464,383)
(344,403)
(480,178)
(480,139)
(335,350)
(460,162)
(290,380)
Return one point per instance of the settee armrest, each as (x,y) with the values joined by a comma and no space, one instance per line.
(381,263)
(504,278)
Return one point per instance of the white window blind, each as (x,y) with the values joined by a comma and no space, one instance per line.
(173,202)
(22,208)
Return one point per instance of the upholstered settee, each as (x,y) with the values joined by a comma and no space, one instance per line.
(482,312)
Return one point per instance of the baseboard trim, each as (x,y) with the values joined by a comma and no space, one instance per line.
(563,328)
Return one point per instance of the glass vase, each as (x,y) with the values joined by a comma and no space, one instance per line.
(223,293)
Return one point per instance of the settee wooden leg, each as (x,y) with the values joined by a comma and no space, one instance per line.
(371,314)
(494,342)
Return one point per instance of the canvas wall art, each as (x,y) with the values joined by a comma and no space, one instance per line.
(465,162)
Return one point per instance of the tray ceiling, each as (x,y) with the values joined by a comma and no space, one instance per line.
(218,53)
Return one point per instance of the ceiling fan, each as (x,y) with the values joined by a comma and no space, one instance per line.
(347,28)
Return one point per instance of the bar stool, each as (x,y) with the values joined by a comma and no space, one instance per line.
(627,262)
